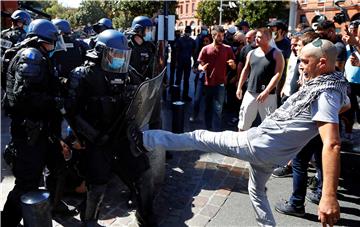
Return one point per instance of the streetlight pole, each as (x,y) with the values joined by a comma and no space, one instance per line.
(220,9)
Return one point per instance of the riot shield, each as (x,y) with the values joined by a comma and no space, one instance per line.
(142,105)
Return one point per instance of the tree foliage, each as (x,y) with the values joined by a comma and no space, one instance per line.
(90,11)
(257,13)
(208,12)
(122,12)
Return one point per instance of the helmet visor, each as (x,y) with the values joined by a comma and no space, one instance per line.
(115,60)
(60,44)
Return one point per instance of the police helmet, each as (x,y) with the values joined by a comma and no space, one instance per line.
(22,16)
(140,23)
(102,25)
(116,54)
(62,25)
(105,22)
(44,30)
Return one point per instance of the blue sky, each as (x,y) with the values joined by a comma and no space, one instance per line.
(70,3)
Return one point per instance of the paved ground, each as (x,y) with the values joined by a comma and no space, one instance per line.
(203,189)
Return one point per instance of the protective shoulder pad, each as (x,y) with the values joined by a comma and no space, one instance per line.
(31,55)
(29,64)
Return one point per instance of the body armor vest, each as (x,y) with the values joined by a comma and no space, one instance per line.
(10,37)
(71,58)
(142,57)
(105,96)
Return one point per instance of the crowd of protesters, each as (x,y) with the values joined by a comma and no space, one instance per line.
(266,73)
(248,71)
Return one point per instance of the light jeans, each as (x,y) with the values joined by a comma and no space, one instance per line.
(228,143)
(250,107)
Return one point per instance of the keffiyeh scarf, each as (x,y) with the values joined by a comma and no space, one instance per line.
(308,93)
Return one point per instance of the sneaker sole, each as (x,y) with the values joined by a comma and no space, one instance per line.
(282,176)
(292,214)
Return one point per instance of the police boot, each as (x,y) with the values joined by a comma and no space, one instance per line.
(62,209)
(90,214)
(11,214)
(145,195)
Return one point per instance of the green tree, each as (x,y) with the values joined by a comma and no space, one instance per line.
(257,13)
(55,10)
(208,12)
(123,11)
(90,11)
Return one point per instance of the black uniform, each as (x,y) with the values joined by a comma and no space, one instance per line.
(142,60)
(32,91)
(100,98)
(73,57)
(142,57)
(10,37)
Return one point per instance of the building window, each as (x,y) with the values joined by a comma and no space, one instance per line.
(181,9)
(321,1)
(186,8)
(192,7)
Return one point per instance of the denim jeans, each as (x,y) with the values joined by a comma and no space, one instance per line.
(198,95)
(183,71)
(300,166)
(228,143)
(214,100)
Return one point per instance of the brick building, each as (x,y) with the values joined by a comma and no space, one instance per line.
(309,10)
(305,11)
(186,12)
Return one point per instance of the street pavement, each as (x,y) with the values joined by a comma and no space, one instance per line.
(208,189)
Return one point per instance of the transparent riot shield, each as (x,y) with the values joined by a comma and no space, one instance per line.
(142,105)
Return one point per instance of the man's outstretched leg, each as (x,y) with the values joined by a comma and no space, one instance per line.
(228,143)
(258,176)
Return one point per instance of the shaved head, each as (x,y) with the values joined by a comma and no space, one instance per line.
(321,48)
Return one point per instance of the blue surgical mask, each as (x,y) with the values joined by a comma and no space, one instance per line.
(204,32)
(51,53)
(117,63)
(26,28)
(148,36)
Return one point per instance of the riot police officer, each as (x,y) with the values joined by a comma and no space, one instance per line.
(74,55)
(32,94)
(143,50)
(20,20)
(143,58)
(99,92)
(11,36)
(102,25)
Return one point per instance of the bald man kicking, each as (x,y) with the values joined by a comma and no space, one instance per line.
(312,110)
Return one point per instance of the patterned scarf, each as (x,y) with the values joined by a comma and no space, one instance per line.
(309,92)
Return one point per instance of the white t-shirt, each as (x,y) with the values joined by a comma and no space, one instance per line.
(277,142)
(291,65)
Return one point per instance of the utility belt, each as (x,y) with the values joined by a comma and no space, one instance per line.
(29,130)
(24,130)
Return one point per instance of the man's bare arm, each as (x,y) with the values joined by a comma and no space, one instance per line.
(329,210)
